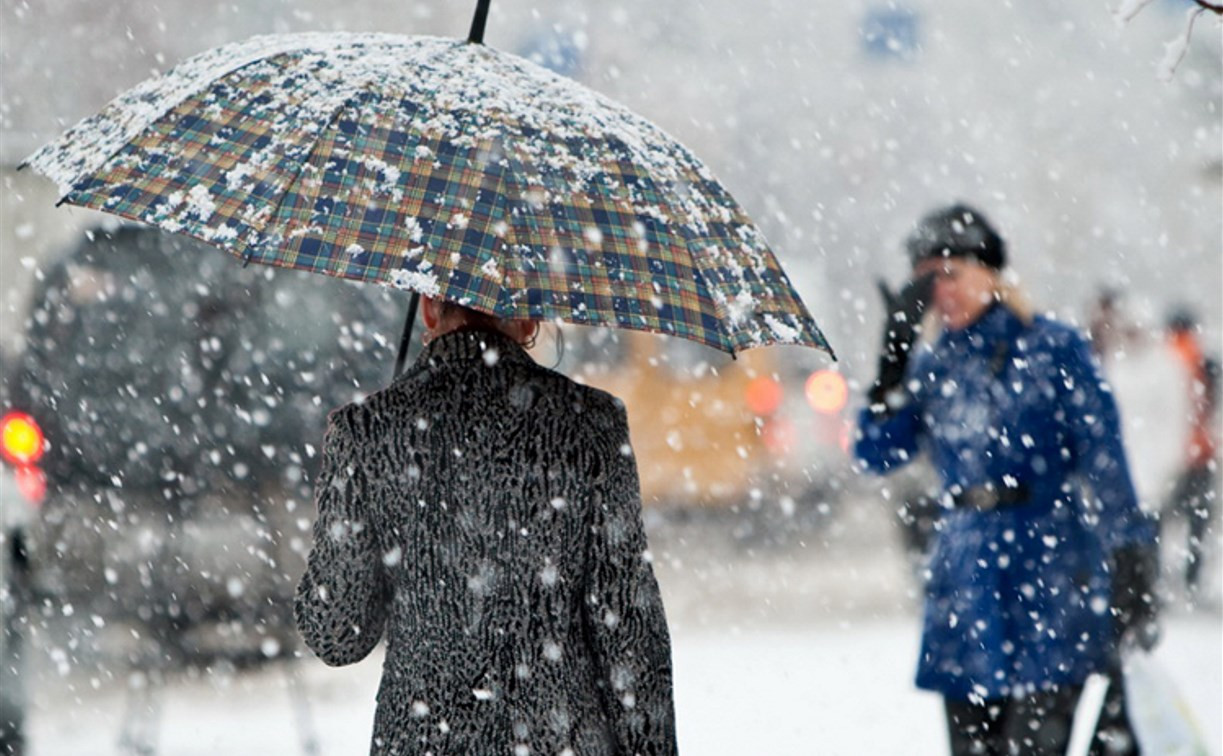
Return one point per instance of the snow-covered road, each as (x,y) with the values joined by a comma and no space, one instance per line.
(818,689)
(807,647)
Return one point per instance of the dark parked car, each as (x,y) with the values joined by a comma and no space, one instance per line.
(182,398)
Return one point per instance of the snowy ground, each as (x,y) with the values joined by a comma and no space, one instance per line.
(794,649)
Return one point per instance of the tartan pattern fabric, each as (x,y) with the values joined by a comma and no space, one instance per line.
(444,168)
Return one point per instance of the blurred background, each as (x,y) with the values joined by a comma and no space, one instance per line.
(156,617)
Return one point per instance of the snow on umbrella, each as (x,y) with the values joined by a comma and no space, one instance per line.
(438,166)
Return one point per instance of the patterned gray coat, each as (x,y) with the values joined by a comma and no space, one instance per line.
(483,513)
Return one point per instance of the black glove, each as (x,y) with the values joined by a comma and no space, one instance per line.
(1135,606)
(905,309)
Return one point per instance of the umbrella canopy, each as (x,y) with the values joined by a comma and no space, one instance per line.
(442,167)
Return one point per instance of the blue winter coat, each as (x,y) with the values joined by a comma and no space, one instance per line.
(1017,597)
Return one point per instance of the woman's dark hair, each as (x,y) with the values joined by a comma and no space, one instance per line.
(476,317)
(484,320)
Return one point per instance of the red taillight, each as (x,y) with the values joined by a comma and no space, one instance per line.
(763,395)
(31,483)
(779,435)
(21,440)
(827,391)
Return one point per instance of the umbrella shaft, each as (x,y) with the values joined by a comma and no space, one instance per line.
(406,338)
(476,35)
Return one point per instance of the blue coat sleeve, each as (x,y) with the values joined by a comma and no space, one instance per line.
(342,600)
(885,443)
(1091,416)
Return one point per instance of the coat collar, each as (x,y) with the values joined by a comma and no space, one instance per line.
(998,322)
(470,345)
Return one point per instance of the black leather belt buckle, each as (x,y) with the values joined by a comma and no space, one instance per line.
(989,497)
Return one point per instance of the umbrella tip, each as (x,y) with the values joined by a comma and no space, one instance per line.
(476,35)
(22,165)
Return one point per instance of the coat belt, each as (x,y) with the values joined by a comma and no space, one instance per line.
(988,497)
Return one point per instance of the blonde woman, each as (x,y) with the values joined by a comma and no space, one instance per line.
(1032,581)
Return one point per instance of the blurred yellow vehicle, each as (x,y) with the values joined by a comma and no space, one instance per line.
(710,430)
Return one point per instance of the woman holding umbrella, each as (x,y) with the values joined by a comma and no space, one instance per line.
(483,514)
(1031,583)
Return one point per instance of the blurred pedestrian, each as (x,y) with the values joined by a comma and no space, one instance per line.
(1194,492)
(16,594)
(483,513)
(1108,330)
(1026,565)
(1145,378)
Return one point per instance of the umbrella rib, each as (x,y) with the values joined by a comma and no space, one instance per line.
(513,177)
(718,307)
(510,178)
(169,106)
(301,167)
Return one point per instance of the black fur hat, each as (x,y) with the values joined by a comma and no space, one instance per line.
(956,231)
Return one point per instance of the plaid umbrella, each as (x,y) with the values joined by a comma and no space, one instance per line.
(442,167)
